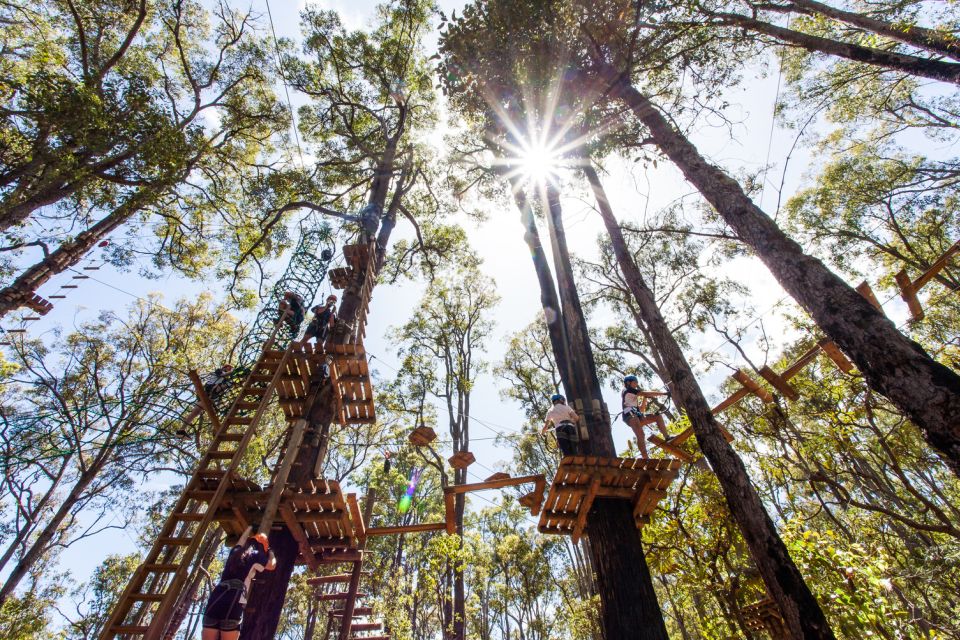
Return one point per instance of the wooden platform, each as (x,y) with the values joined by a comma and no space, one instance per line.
(348,372)
(764,616)
(581,479)
(319,518)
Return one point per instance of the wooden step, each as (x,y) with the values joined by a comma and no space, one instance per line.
(366,626)
(175,541)
(358,612)
(240,421)
(221,455)
(343,577)
(200,494)
(161,568)
(327,597)
(229,437)
(191,517)
(148,597)
(120,629)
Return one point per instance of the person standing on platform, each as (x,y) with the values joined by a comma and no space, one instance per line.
(564,422)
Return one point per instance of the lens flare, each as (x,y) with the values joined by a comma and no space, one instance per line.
(404,505)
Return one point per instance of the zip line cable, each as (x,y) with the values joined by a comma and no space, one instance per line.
(286,90)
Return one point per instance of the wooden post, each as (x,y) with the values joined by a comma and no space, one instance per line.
(283,472)
(204,399)
(909,294)
(864,289)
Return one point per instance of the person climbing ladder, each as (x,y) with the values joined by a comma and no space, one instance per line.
(323,320)
(224,610)
(564,421)
(635,404)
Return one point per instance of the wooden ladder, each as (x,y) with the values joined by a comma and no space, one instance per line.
(146,606)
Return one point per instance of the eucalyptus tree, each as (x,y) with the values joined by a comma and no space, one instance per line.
(440,350)
(370,98)
(155,112)
(598,42)
(91,417)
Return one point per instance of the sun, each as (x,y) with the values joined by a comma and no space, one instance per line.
(538,162)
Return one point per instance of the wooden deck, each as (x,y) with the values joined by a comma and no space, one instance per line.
(581,479)
(764,616)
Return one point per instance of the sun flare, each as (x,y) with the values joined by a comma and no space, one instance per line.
(538,162)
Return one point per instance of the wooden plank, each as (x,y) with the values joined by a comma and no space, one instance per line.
(802,362)
(297,532)
(833,352)
(909,294)
(493,484)
(408,528)
(733,399)
(752,385)
(359,526)
(779,383)
(585,509)
(450,512)
(936,267)
(864,289)
(677,452)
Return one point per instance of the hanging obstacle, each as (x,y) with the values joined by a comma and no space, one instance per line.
(422,436)
(461,459)
(581,479)
(909,288)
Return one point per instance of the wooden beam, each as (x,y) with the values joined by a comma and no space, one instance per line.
(204,399)
(297,532)
(407,528)
(677,452)
(280,479)
(864,289)
(733,399)
(936,267)
(450,511)
(808,356)
(779,383)
(909,294)
(585,508)
(752,385)
(492,484)
(833,352)
(359,526)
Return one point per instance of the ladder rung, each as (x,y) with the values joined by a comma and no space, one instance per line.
(29,318)
(161,568)
(211,473)
(129,629)
(221,455)
(91,268)
(247,405)
(195,494)
(177,542)
(191,517)
(229,437)
(69,286)
(81,277)
(148,597)
(240,420)
(57,296)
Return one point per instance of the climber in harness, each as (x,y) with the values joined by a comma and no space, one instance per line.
(224,610)
(292,310)
(324,317)
(214,385)
(564,424)
(635,403)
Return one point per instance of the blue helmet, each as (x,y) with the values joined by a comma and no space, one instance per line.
(629,379)
(555,398)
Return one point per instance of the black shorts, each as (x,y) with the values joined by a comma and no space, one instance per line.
(224,609)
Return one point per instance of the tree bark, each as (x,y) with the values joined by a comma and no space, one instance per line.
(784,581)
(269,590)
(68,254)
(892,364)
(901,62)
(630,607)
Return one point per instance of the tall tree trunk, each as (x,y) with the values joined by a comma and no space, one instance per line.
(549,301)
(915,36)
(68,254)
(900,62)
(629,602)
(892,364)
(42,543)
(784,581)
(269,591)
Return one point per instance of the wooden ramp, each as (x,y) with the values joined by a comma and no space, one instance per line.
(581,479)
